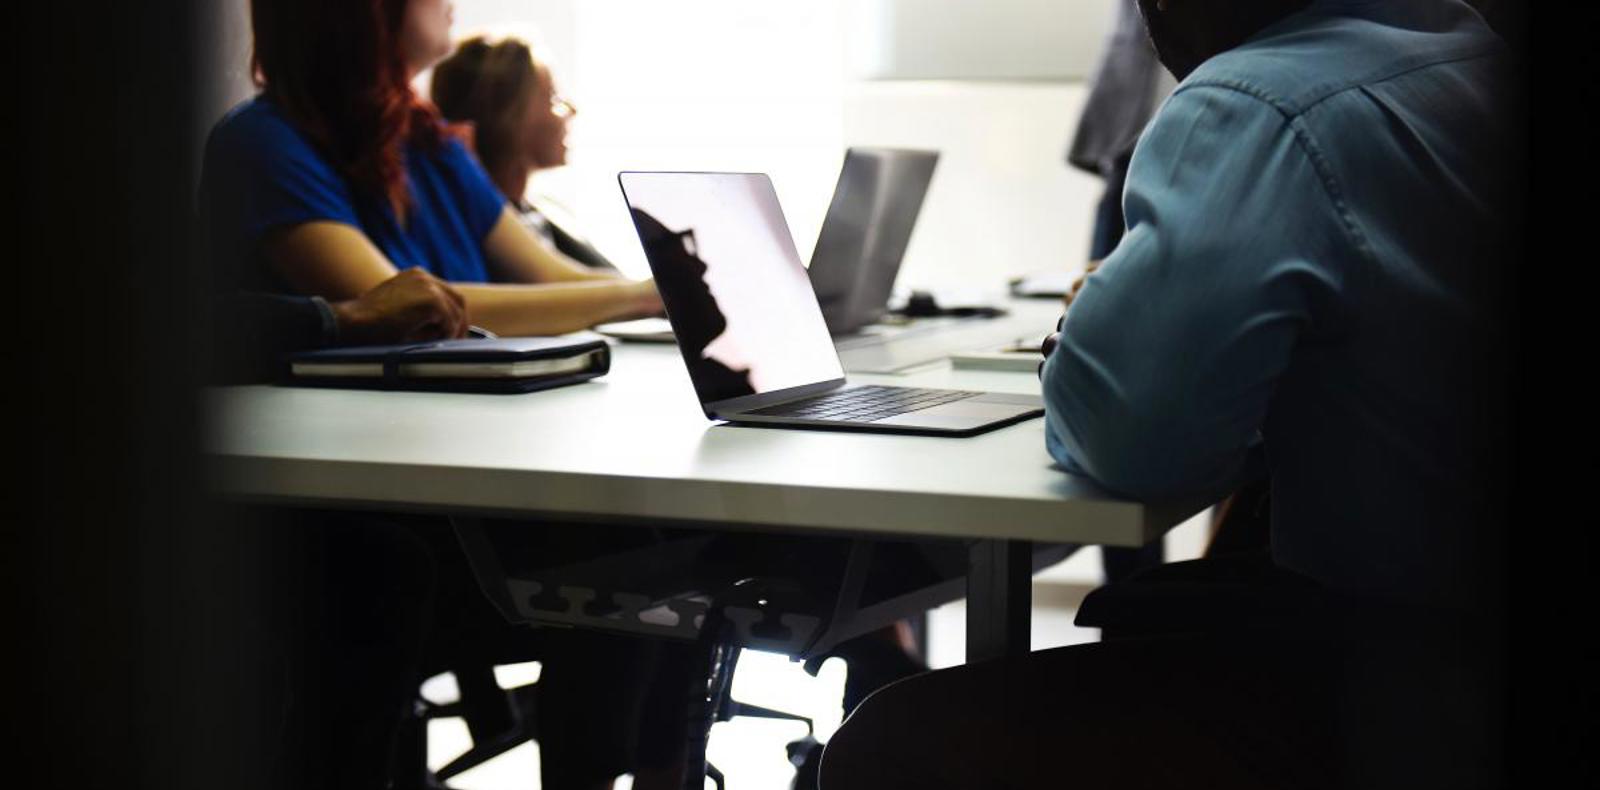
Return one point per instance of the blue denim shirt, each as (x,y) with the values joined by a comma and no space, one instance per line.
(1303,290)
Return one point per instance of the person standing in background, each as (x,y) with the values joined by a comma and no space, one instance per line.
(1127,87)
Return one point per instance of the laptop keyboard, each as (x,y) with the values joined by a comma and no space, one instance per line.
(864,404)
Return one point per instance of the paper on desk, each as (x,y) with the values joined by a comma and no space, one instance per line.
(1051,282)
(999,359)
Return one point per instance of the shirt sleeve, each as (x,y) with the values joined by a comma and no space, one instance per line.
(1170,354)
(252,332)
(269,176)
(480,198)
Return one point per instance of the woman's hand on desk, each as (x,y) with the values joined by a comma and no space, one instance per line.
(410,306)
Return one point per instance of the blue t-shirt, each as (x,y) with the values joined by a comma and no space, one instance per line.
(261,173)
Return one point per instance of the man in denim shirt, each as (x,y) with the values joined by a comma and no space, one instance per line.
(1303,289)
(1308,288)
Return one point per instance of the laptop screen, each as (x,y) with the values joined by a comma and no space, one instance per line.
(738,297)
(866,232)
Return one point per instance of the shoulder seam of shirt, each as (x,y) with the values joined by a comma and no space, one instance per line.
(1322,93)
(1330,185)
(1319,163)
(1307,146)
(1296,126)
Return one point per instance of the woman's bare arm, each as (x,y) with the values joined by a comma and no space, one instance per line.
(336,261)
(517,256)
(328,259)
(558,308)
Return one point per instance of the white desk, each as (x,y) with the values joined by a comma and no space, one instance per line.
(633,447)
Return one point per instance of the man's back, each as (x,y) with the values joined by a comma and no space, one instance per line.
(1312,222)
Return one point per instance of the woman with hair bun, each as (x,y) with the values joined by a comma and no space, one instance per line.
(519,124)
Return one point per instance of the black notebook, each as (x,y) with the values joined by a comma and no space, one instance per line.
(509,364)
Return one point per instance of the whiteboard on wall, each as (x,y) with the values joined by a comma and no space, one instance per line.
(1048,40)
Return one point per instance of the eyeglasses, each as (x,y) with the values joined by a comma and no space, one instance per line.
(561,107)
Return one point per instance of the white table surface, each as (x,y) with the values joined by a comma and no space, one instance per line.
(634,446)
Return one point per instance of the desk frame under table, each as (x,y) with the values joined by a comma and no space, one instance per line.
(561,457)
(996,586)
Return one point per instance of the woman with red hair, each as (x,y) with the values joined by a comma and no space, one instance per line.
(337,175)
(329,181)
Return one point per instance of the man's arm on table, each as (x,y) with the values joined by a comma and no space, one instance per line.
(1169,356)
(252,331)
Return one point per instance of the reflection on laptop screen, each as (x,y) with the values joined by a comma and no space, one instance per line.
(741,304)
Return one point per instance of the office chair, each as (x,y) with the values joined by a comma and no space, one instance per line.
(499,720)
(712,702)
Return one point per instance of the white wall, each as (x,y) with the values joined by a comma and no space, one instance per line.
(550,25)
(774,87)
(993,39)
(1002,202)
(710,85)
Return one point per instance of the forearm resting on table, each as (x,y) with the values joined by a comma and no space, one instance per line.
(337,262)
(550,308)
(518,257)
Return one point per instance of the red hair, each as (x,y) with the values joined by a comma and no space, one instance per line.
(336,69)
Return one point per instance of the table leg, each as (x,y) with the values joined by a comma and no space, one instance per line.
(999,598)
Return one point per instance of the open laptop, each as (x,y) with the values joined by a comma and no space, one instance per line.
(861,244)
(865,233)
(749,326)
